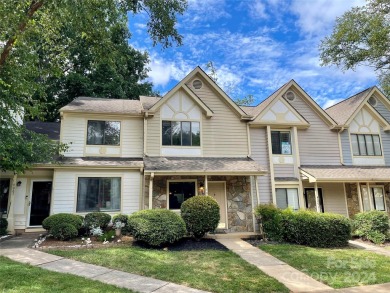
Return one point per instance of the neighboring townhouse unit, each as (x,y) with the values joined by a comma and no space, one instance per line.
(127,155)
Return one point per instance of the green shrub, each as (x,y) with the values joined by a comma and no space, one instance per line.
(97,219)
(123,219)
(56,219)
(63,231)
(270,218)
(201,215)
(3,226)
(373,226)
(108,235)
(156,227)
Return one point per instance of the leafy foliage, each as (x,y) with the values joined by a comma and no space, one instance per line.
(56,219)
(361,36)
(63,231)
(305,227)
(157,227)
(372,225)
(3,226)
(201,215)
(97,219)
(123,219)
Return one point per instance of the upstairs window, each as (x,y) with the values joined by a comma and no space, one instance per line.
(366,145)
(281,142)
(181,133)
(103,132)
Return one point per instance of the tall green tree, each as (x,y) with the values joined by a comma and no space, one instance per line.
(361,36)
(36,41)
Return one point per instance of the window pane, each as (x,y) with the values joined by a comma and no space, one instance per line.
(362,145)
(281,198)
(98,194)
(176,133)
(186,133)
(310,200)
(355,146)
(285,143)
(179,192)
(166,133)
(195,129)
(95,132)
(369,145)
(4,192)
(378,198)
(292,198)
(365,199)
(112,131)
(275,141)
(377,145)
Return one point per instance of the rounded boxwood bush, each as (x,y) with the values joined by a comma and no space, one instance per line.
(270,217)
(201,215)
(63,231)
(97,219)
(56,219)
(373,226)
(156,227)
(3,226)
(315,229)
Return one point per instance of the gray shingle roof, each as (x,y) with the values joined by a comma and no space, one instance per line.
(202,165)
(100,105)
(342,111)
(51,129)
(101,162)
(345,173)
(148,102)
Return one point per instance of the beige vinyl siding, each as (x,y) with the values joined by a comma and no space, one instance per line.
(224,134)
(284,170)
(153,139)
(132,132)
(259,147)
(64,194)
(72,133)
(318,145)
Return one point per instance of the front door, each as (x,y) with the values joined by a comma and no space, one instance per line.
(217,190)
(40,202)
(310,199)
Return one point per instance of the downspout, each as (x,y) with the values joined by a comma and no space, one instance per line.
(257,190)
(145,131)
(151,191)
(340,147)
(249,140)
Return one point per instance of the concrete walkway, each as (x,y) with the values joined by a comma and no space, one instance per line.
(16,249)
(293,279)
(372,248)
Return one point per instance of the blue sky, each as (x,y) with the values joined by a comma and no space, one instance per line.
(256,47)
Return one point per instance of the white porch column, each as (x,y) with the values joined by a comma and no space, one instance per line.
(10,209)
(370,198)
(151,191)
(257,190)
(318,208)
(206,185)
(359,192)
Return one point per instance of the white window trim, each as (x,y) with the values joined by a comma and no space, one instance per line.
(103,145)
(180,180)
(367,157)
(371,196)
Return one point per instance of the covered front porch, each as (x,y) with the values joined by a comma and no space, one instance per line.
(170,181)
(347,189)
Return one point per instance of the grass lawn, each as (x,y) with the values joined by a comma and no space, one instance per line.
(17,277)
(338,267)
(211,270)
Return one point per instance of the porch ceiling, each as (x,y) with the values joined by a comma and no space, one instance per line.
(201,165)
(345,173)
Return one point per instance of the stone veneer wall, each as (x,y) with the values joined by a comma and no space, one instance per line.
(353,198)
(238,196)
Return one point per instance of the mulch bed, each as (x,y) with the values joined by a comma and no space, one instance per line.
(187,244)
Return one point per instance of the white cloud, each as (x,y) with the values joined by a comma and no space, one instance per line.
(331,102)
(257,9)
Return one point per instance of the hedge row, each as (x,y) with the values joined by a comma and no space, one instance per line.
(373,226)
(304,227)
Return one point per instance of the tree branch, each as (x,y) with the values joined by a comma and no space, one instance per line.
(34,6)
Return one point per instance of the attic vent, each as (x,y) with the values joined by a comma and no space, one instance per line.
(372,101)
(290,96)
(197,84)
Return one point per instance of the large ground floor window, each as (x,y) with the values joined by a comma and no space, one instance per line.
(373,200)
(98,194)
(179,192)
(4,192)
(287,197)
